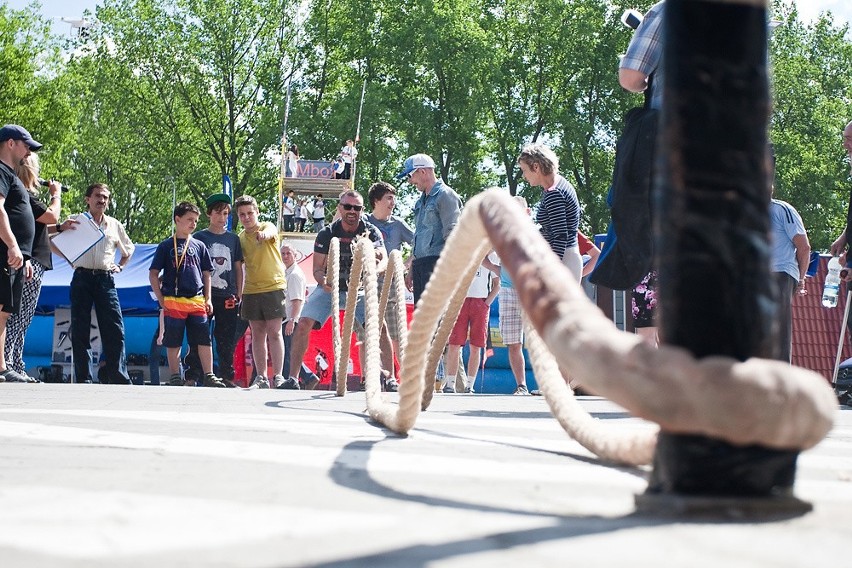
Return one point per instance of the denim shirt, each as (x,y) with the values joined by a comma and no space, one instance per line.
(435,216)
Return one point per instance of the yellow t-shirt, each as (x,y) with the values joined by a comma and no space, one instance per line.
(264,267)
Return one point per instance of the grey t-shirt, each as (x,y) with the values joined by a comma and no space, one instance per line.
(224,250)
(395,231)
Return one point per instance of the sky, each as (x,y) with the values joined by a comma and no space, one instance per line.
(56,9)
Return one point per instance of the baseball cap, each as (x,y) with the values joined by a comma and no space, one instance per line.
(218,198)
(15,132)
(415,162)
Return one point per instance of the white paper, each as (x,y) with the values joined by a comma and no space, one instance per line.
(73,243)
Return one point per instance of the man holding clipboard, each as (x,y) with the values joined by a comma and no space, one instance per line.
(93,257)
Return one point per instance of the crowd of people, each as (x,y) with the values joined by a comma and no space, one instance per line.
(257,283)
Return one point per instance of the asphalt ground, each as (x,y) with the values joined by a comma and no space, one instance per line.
(125,476)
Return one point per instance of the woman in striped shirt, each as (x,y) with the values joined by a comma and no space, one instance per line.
(559,210)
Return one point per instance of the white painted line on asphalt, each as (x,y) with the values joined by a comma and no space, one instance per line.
(380,459)
(73,523)
(426,420)
(462,430)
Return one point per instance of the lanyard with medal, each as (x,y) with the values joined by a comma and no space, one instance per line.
(179,259)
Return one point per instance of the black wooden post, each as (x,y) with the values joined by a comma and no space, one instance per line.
(712,228)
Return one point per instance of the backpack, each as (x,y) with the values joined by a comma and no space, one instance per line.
(627,253)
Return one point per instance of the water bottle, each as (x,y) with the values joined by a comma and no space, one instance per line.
(832,283)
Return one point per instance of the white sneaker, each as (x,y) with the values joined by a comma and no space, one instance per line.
(259,382)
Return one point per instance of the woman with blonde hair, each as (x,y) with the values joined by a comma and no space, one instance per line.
(559,209)
(46,216)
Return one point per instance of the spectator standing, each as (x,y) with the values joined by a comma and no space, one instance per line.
(791,254)
(297,291)
(293,161)
(472,319)
(642,62)
(395,232)
(41,261)
(348,153)
(288,211)
(264,290)
(226,282)
(318,213)
(512,323)
(301,216)
(180,274)
(559,209)
(317,310)
(93,285)
(17,228)
(435,216)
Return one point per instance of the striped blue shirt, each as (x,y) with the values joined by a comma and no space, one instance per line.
(559,216)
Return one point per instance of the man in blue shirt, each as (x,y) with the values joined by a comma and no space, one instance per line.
(435,215)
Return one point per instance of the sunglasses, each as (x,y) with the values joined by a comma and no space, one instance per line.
(350,207)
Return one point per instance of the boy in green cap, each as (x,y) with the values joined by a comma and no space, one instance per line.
(226,283)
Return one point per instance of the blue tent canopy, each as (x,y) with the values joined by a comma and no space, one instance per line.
(134,288)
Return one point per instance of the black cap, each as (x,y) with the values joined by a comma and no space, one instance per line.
(15,132)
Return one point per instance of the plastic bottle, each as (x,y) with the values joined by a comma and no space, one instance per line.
(832,283)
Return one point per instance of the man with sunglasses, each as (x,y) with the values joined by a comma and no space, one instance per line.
(435,215)
(317,309)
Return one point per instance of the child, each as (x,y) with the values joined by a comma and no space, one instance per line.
(226,283)
(264,292)
(184,294)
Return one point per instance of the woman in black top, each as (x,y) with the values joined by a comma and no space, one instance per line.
(45,214)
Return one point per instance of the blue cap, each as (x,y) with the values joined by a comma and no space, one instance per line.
(415,162)
(15,132)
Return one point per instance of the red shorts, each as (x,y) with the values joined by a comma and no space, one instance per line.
(473,314)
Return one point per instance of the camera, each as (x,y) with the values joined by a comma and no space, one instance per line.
(45,183)
(631,18)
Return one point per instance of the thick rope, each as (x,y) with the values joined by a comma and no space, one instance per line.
(603,441)
(761,402)
(666,386)
(448,321)
(444,288)
(342,339)
(332,279)
(394,284)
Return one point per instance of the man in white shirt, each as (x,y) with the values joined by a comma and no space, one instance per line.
(294,300)
(93,285)
(348,153)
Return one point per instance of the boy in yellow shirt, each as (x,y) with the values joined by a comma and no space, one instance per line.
(263,305)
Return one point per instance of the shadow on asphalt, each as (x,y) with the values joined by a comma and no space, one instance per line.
(350,471)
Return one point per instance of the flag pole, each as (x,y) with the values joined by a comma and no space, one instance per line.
(358,133)
(281,170)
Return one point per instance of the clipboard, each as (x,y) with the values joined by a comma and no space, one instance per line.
(74,243)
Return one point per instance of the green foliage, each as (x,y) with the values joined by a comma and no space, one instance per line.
(33,94)
(168,95)
(812,104)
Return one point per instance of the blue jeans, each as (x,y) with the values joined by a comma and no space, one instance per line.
(97,289)
(305,371)
(421,272)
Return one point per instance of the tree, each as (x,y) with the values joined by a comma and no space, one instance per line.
(32,95)
(812,104)
(196,89)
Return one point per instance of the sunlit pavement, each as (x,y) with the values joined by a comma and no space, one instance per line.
(171,476)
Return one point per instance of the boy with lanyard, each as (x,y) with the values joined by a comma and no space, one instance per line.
(184,294)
